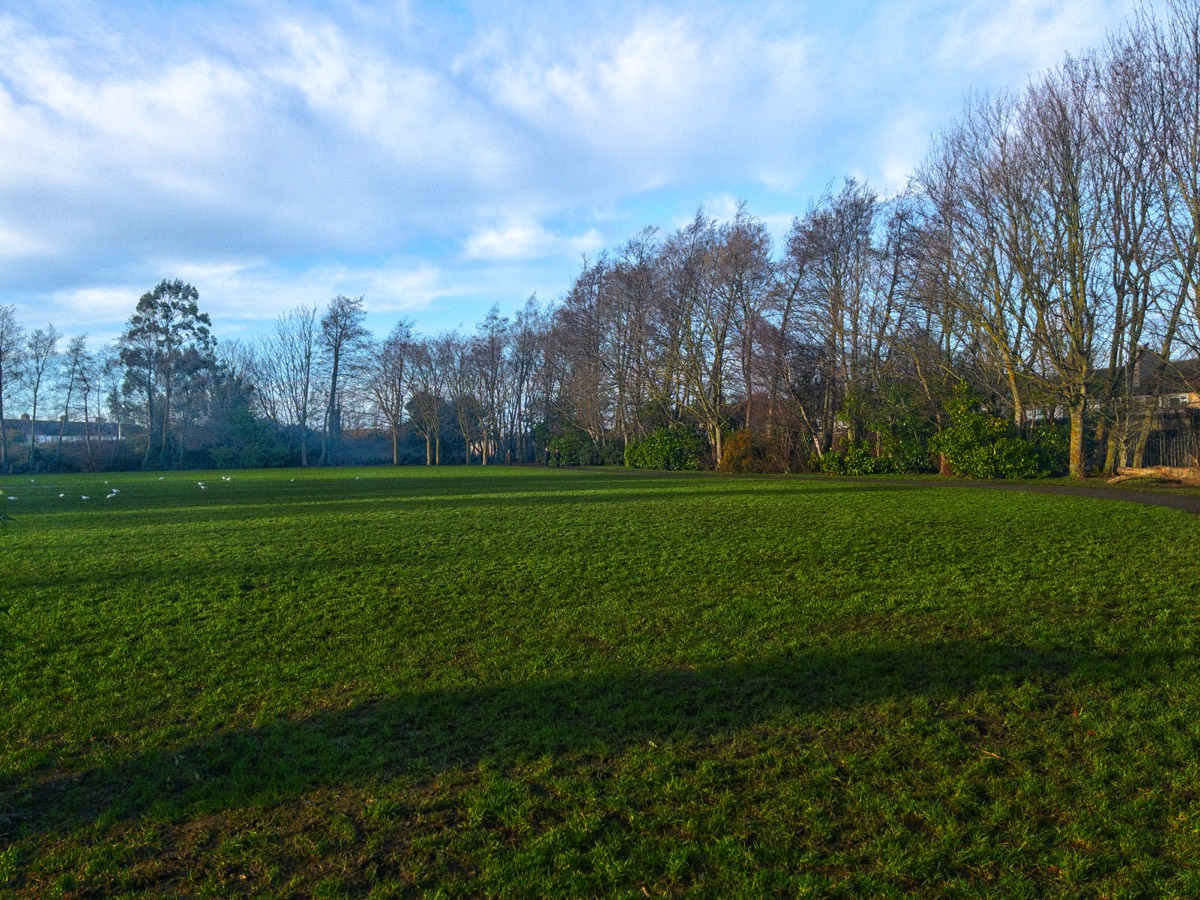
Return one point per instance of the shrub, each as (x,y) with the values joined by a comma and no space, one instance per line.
(673,449)
(856,459)
(743,452)
(574,446)
(980,445)
(611,454)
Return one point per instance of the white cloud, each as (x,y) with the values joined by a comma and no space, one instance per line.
(416,154)
(1025,36)
(16,244)
(522,240)
(661,99)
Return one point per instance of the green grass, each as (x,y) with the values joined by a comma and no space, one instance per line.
(519,682)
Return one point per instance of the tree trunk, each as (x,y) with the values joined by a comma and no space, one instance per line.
(1078,464)
(1112,453)
(3,439)
(163,457)
(1143,437)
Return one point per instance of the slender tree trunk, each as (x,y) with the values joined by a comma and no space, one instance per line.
(33,433)
(1145,426)
(164,451)
(1078,464)
(149,425)
(1112,453)
(3,438)
(87,428)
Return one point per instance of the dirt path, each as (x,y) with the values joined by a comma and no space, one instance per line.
(1187,502)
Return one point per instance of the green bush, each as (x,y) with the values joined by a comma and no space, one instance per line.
(983,446)
(574,446)
(856,459)
(673,449)
(904,444)
(611,454)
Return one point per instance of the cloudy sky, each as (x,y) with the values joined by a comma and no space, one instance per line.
(439,157)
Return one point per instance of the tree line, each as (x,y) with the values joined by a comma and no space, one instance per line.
(1021,308)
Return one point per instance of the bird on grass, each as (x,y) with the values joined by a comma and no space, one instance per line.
(4,520)
(85,497)
(201,485)
(11,497)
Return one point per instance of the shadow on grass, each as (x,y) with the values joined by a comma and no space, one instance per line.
(420,734)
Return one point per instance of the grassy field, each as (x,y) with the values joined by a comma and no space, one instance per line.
(526,682)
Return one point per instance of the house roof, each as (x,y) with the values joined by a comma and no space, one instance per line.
(1157,376)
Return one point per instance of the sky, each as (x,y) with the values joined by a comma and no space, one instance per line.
(437,158)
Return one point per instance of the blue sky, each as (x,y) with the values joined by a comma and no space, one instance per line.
(439,157)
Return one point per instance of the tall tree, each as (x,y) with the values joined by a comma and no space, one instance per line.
(743,278)
(705,319)
(290,363)
(40,355)
(1059,198)
(164,338)
(463,388)
(74,375)
(341,340)
(388,379)
(12,358)
(427,383)
(489,351)
(527,345)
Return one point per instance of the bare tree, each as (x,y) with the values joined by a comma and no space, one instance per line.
(585,393)
(290,362)
(461,377)
(1058,195)
(527,339)
(1176,44)
(489,348)
(41,353)
(970,279)
(12,359)
(843,305)
(705,325)
(743,279)
(341,341)
(387,379)
(74,376)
